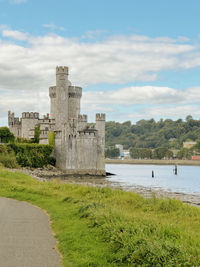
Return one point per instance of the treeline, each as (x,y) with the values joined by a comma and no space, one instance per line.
(151,134)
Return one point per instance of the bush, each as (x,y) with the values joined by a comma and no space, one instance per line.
(7,157)
(5,135)
(22,140)
(8,161)
(33,155)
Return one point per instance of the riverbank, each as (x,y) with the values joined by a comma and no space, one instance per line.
(45,174)
(154,161)
(105,227)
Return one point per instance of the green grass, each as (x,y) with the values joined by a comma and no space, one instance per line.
(105,227)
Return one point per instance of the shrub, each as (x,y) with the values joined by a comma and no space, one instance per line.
(33,155)
(23,140)
(8,161)
(5,135)
(7,157)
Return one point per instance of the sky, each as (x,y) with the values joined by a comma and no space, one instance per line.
(134,59)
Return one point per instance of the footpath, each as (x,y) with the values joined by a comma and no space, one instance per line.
(25,236)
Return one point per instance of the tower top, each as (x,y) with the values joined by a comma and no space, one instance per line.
(100,117)
(62,70)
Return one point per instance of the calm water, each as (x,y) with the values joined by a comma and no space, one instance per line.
(186,181)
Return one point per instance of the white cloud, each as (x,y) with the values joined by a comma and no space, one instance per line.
(118,59)
(157,112)
(53,27)
(28,70)
(143,95)
(17,35)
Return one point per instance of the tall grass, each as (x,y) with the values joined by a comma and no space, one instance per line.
(105,227)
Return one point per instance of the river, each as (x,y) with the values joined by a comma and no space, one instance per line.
(129,176)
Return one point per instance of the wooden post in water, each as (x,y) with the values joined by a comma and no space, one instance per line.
(152,174)
(175,170)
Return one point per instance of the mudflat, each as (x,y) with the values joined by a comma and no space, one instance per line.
(26,239)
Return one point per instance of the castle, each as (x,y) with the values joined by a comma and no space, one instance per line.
(79,146)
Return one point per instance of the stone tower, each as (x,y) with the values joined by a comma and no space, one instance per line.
(59,95)
(79,145)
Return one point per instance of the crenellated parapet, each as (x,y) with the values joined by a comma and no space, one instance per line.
(82,118)
(12,120)
(30,115)
(100,117)
(87,133)
(62,70)
(52,92)
(75,92)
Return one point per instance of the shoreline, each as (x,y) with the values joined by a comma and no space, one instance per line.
(154,162)
(92,181)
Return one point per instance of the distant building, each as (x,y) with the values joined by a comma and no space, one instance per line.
(189,144)
(120,147)
(126,154)
(197,157)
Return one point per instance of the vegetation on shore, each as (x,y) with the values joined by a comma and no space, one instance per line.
(151,134)
(15,152)
(105,227)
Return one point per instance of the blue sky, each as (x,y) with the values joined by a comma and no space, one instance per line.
(134,59)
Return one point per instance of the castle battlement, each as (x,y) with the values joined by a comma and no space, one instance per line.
(75,91)
(82,118)
(100,117)
(12,120)
(61,70)
(87,134)
(30,115)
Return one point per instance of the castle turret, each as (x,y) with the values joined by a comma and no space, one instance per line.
(100,126)
(29,121)
(75,94)
(60,103)
(52,95)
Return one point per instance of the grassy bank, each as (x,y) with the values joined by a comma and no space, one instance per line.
(154,162)
(105,227)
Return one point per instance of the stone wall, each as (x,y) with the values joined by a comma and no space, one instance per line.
(29,121)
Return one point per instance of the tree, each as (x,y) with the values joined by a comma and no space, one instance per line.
(184,153)
(134,152)
(188,118)
(112,152)
(6,136)
(162,152)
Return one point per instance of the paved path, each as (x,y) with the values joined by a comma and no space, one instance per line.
(25,236)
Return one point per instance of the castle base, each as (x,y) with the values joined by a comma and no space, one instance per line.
(86,172)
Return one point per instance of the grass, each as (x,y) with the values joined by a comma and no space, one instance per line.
(105,227)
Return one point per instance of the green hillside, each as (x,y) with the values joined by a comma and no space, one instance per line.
(152,134)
